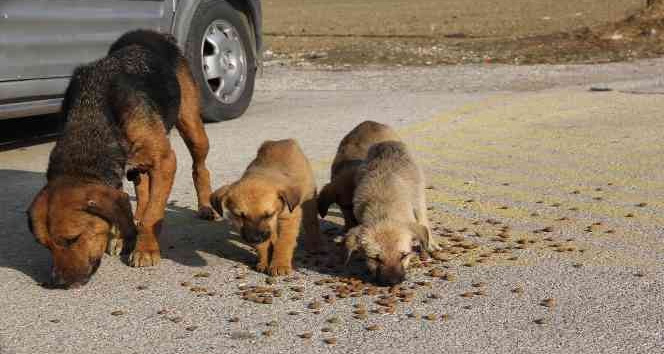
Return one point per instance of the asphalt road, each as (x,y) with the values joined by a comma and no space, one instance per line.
(526,147)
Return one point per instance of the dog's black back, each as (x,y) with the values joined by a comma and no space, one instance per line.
(139,70)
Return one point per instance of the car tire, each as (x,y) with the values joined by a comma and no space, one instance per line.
(220,49)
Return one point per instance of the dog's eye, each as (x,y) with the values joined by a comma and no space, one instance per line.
(375,258)
(68,242)
(268,215)
(238,214)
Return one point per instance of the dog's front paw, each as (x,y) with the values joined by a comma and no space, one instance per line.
(276,270)
(262,267)
(146,253)
(206,213)
(433,245)
(115,246)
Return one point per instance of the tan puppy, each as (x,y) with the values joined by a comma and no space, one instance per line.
(266,206)
(390,206)
(352,151)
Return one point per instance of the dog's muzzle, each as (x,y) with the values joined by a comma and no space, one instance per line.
(254,236)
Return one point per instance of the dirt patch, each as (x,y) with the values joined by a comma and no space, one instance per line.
(565,35)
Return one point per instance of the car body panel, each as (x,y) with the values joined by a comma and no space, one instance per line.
(42,41)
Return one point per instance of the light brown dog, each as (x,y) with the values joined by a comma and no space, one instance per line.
(351,153)
(276,194)
(390,205)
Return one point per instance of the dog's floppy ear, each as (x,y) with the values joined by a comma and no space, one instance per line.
(325,199)
(421,234)
(113,206)
(218,197)
(291,197)
(38,216)
(352,242)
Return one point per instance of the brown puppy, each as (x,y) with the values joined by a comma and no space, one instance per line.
(119,111)
(352,151)
(266,206)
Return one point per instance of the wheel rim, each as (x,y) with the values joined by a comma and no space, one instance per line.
(224,61)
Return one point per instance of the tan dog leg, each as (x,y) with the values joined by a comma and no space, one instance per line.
(115,242)
(190,127)
(162,173)
(312,237)
(142,190)
(422,219)
(284,245)
(263,252)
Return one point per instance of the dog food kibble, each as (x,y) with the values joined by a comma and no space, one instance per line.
(629,215)
(54,321)
(518,290)
(306,335)
(185,284)
(373,327)
(191,328)
(141,287)
(540,321)
(550,302)
(242,335)
(641,205)
(297,289)
(267,333)
(202,275)
(333,320)
(234,319)
(467,294)
(314,305)
(326,329)
(330,341)
(162,312)
(639,274)
(117,313)
(176,319)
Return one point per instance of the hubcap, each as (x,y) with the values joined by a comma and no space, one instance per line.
(224,61)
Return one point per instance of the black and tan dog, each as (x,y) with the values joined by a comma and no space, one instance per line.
(275,195)
(118,112)
(351,153)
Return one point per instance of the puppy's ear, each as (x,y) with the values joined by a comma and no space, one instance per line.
(291,197)
(352,242)
(113,206)
(421,234)
(218,198)
(325,199)
(38,216)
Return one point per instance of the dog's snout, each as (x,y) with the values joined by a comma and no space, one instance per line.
(255,236)
(390,276)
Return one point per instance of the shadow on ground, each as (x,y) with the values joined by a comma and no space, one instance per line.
(183,239)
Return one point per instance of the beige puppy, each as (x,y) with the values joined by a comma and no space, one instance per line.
(266,206)
(352,151)
(390,206)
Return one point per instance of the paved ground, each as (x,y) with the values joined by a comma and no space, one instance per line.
(576,175)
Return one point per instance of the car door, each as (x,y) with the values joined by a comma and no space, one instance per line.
(43,40)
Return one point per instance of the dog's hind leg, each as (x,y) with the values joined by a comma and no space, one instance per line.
(190,127)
